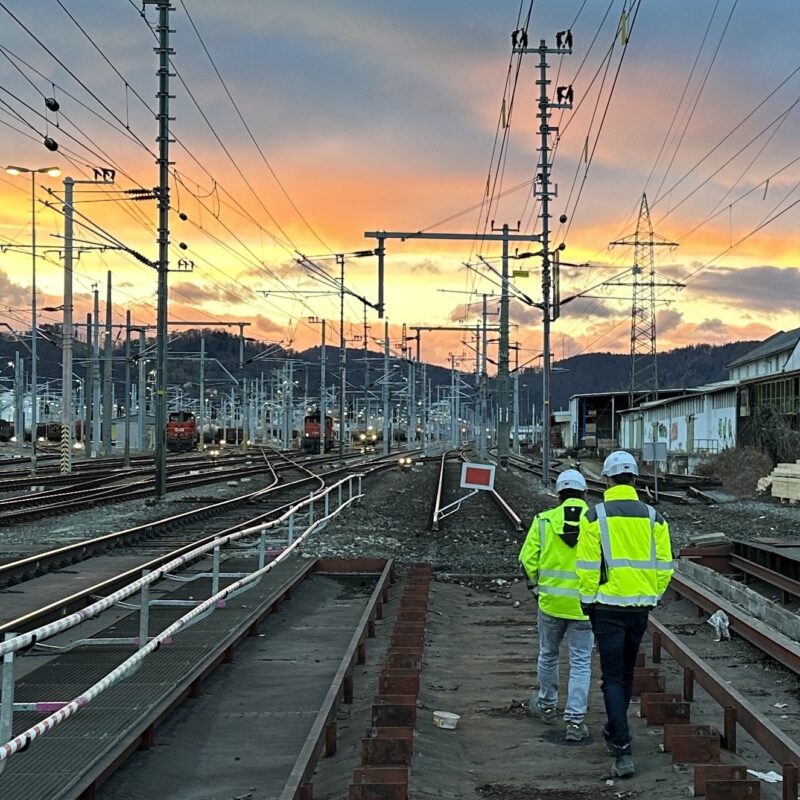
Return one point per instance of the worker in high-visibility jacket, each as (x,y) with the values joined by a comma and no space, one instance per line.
(548,558)
(624,564)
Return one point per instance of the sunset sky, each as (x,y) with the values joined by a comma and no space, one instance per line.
(377,115)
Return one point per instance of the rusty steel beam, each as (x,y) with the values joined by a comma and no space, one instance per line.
(776,743)
(783,649)
(772,577)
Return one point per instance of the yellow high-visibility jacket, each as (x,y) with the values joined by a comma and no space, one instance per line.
(548,558)
(624,554)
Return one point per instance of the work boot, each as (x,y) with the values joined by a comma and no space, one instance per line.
(546,714)
(622,765)
(576,732)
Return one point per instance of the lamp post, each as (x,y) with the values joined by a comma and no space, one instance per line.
(53,172)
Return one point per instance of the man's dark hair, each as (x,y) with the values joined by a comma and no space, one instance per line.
(570,494)
(623,477)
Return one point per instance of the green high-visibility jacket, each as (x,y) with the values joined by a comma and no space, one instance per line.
(624,551)
(548,558)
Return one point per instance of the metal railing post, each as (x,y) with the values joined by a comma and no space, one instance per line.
(262,550)
(327,503)
(215,573)
(291,528)
(350,487)
(7,697)
(359,485)
(340,495)
(144,612)
(311,509)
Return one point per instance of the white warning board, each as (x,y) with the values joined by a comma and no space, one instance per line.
(477,476)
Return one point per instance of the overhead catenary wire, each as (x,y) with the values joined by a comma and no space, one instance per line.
(106,107)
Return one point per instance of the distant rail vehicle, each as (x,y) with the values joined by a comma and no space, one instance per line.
(182,432)
(311,428)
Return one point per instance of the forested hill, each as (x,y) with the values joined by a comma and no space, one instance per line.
(591,372)
(600,372)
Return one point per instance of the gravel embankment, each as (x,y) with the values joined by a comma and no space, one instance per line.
(392,522)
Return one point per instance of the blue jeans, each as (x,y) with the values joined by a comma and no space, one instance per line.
(579,641)
(618,634)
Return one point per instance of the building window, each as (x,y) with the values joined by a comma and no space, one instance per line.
(779,395)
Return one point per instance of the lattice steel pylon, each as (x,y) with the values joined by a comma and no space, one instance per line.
(643,374)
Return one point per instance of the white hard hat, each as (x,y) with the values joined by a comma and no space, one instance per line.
(570,479)
(618,462)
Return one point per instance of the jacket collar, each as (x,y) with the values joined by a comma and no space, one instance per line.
(575,501)
(620,492)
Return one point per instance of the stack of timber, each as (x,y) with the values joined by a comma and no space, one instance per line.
(786,482)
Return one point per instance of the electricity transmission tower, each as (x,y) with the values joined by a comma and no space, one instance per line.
(643,375)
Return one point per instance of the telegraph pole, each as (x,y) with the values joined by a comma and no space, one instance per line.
(385,389)
(141,390)
(503,404)
(201,409)
(322,392)
(127,451)
(107,381)
(163,139)
(96,374)
(66,335)
(342,358)
(543,192)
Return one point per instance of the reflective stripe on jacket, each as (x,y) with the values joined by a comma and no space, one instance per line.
(624,554)
(550,562)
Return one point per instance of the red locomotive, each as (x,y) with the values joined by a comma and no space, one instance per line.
(311,433)
(182,433)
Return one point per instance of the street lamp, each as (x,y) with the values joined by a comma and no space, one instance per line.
(53,172)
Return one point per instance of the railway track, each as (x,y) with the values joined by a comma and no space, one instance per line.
(690,493)
(148,546)
(22,480)
(157,678)
(443,487)
(122,487)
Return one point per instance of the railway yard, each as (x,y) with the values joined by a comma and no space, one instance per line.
(305,616)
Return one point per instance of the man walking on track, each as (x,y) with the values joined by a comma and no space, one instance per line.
(548,558)
(624,565)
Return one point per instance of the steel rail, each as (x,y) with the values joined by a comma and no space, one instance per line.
(437,498)
(507,511)
(776,579)
(779,647)
(78,551)
(66,555)
(502,504)
(25,640)
(303,768)
(40,563)
(776,743)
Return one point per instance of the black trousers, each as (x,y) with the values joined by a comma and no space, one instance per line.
(618,635)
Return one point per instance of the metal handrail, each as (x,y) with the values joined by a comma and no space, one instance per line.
(26,640)
(26,737)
